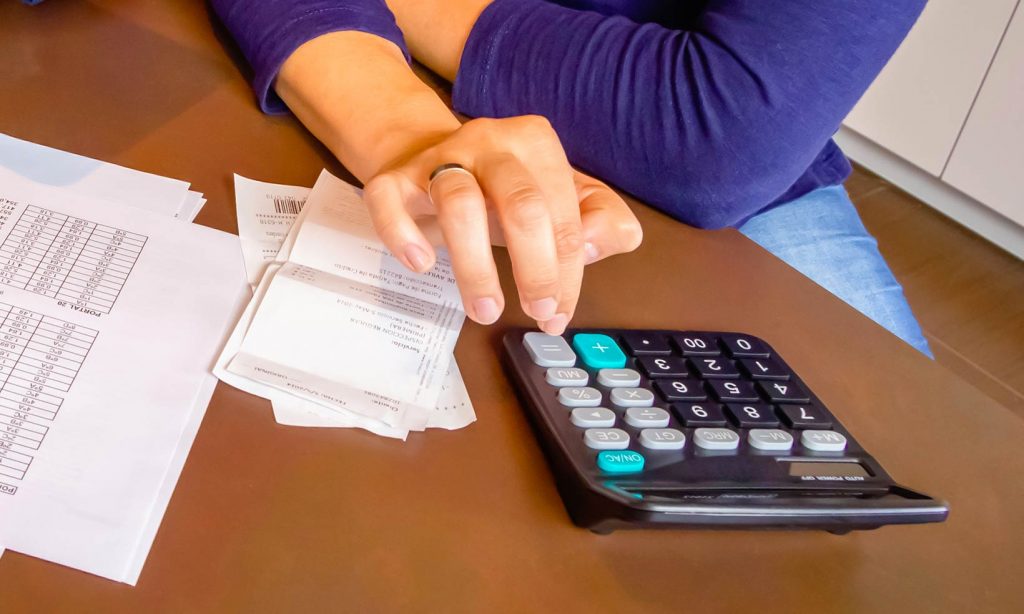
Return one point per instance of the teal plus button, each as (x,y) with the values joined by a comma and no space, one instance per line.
(599,351)
(620,461)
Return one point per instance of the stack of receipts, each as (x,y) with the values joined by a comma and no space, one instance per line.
(339,333)
(112,313)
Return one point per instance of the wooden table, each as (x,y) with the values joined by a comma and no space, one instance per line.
(270,518)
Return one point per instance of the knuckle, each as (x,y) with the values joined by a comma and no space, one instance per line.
(375,188)
(632,234)
(526,207)
(476,278)
(389,230)
(537,124)
(568,238)
(541,284)
(462,209)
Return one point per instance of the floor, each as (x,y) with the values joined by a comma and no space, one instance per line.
(967,293)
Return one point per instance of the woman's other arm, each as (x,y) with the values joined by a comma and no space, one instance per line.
(710,124)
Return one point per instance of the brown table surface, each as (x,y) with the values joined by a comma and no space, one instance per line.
(273,518)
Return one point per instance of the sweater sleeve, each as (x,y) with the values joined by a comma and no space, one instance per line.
(268,31)
(711,123)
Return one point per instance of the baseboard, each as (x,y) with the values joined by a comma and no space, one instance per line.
(949,201)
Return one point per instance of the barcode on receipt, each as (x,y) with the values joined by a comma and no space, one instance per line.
(288,204)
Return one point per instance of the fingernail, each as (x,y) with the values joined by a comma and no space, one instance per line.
(486,310)
(417,258)
(544,309)
(556,325)
(590,250)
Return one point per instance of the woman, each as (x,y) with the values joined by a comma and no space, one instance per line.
(718,112)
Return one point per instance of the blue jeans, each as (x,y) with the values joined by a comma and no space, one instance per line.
(821,235)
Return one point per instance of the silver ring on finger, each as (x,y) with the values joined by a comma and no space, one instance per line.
(437,173)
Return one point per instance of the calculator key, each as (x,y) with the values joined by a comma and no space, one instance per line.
(566,376)
(823,441)
(641,344)
(669,366)
(662,439)
(770,439)
(599,351)
(752,416)
(647,417)
(632,397)
(579,397)
(784,392)
(762,368)
(744,346)
(681,390)
(805,417)
(696,344)
(606,439)
(737,391)
(714,368)
(618,378)
(700,414)
(626,461)
(549,350)
(592,417)
(716,439)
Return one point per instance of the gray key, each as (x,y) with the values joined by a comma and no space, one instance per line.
(590,417)
(632,397)
(579,397)
(823,441)
(770,439)
(617,378)
(647,417)
(567,376)
(716,439)
(549,350)
(662,439)
(606,439)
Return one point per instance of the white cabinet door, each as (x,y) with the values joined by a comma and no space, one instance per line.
(920,101)
(988,161)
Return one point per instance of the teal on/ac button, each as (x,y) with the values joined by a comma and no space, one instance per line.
(599,351)
(620,461)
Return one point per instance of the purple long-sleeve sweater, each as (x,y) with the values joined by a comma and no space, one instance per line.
(710,110)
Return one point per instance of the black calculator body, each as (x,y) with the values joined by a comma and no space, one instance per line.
(661,428)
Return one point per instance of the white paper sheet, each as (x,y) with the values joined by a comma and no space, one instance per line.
(190,206)
(23,161)
(102,466)
(453,409)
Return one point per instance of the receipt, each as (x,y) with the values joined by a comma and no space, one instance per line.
(337,235)
(266,212)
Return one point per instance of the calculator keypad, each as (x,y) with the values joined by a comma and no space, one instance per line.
(635,398)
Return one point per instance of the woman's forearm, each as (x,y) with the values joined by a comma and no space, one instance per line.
(357,94)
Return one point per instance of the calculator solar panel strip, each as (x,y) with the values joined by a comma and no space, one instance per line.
(696,487)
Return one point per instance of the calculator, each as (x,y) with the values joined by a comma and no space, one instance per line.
(663,428)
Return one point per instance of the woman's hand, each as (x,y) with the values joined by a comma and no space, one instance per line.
(356,92)
(519,187)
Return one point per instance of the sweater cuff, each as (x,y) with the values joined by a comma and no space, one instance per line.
(471,92)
